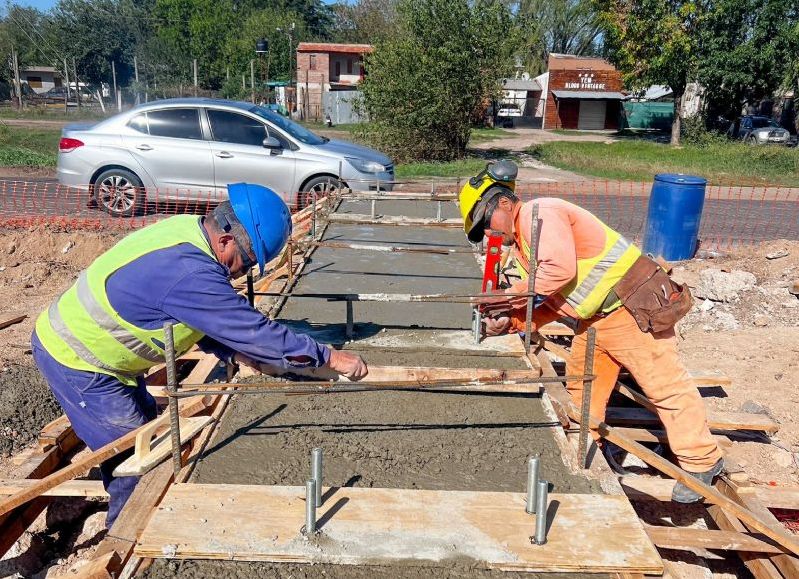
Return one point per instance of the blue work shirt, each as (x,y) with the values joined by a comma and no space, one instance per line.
(183,284)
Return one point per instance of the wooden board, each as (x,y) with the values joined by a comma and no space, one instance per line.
(757,563)
(681,538)
(384,526)
(160,448)
(73,488)
(716,420)
(397,220)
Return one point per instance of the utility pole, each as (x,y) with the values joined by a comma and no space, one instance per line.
(66,78)
(194,67)
(77,82)
(136,76)
(17,82)
(252,79)
(114,78)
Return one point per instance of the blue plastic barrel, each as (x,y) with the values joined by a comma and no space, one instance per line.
(675,211)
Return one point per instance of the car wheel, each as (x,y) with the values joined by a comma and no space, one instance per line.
(318,186)
(119,192)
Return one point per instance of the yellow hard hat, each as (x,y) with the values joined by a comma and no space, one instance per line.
(473,199)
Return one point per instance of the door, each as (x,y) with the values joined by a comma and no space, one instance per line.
(169,145)
(592,115)
(239,155)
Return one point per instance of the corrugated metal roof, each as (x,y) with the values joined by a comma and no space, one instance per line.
(589,95)
(333,47)
(520,84)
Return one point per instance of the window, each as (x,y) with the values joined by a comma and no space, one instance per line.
(57,82)
(338,69)
(312,65)
(175,123)
(35,81)
(349,66)
(139,123)
(229,127)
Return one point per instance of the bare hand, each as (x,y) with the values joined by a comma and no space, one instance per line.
(496,326)
(350,365)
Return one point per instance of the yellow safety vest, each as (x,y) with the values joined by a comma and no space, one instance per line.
(596,276)
(81,329)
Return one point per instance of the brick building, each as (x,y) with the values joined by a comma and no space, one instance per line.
(325,67)
(582,93)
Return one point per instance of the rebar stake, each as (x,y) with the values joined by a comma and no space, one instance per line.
(316,474)
(541,513)
(438,212)
(290,251)
(531,266)
(533,465)
(350,329)
(373,208)
(313,215)
(250,289)
(585,410)
(171,387)
(476,322)
(310,507)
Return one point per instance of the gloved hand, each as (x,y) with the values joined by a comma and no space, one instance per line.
(347,364)
(496,326)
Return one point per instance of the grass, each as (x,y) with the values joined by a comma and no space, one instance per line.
(466,167)
(54,114)
(640,160)
(25,147)
(488,134)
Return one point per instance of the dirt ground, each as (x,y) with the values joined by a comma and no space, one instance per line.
(751,339)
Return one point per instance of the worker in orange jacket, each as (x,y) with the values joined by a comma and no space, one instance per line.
(582,267)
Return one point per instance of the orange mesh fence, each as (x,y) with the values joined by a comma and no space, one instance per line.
(733,214)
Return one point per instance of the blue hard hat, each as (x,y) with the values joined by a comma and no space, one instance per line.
(264,215)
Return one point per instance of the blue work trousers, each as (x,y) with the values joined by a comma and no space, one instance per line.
(101,409)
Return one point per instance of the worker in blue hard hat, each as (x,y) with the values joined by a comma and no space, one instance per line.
(94,344)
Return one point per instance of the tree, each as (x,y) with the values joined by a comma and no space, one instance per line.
(748,48)
(563,26)
(366,21)
(424,84)
(654,42)
(23,30)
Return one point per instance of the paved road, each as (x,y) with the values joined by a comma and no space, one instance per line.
(730,216)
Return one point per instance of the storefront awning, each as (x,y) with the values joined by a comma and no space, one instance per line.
(589,95)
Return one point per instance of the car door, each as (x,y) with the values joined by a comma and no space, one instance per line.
(240,156)
(169,145)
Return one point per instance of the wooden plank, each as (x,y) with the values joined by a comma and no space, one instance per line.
(657,435)
(87,462)
(395,220)
(55,432)
(555,329)
(161,448)
(758,564)
(716,420)
(73,488)
(366,525)
(12,321)
(647,487)
(683,539)
(775,497)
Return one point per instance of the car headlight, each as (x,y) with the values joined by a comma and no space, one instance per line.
(366,166)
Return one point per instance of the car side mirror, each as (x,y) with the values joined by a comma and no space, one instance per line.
(272,143)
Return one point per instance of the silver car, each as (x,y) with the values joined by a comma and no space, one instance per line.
(191,149)
(758,130)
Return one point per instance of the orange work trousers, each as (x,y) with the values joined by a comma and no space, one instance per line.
(653,361)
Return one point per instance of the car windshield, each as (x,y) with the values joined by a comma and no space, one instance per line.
(762,122)
(294,129)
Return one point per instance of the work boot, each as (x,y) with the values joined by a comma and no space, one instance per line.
(682,494)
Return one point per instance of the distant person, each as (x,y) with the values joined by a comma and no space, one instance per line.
(591,274)
(94,343)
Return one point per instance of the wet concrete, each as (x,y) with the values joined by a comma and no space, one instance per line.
(384,439)
(26,405)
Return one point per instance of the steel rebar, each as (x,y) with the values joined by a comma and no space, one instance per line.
(316,474)
(171,386)
(533,466)
(532,266)
(541,512)
(310,507)
(585,410)
(468,298)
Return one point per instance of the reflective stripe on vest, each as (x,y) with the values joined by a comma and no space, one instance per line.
(83,331)
(596,276)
